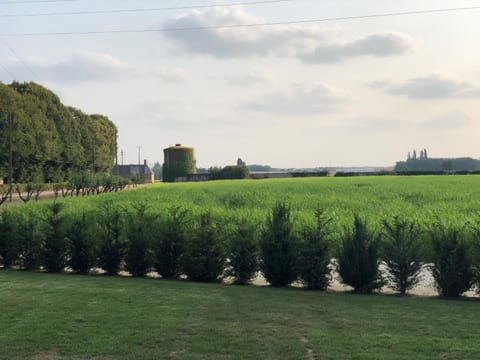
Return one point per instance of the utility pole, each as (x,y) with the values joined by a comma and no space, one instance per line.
(10,155)
(139,147)
(121,156)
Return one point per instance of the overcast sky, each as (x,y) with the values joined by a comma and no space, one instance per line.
(345,93)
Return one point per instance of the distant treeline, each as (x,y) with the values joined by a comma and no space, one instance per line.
(236,172)
(406,173)
(229,172)
(309,174)
(438,165)
(256,167)
(50,138)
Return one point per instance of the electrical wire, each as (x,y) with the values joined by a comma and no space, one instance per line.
(8,72)
(7,45)
(252,25)
(35,2)
(141,10)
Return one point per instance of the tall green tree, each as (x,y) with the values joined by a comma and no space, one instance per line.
(51,138)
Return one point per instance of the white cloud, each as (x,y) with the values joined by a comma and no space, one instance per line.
(172,74)
(381,45)
(311,44)
(250,78)
(81,67)
(434,86)
(299,101)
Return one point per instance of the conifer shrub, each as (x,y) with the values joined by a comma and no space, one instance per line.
(279,247)
(138,255)
(83,249)
(170,242)
(476,259)
(359,258)
(30,239)
(204,257)
(111,238)
(402,253)
(314,257)
(452,265)
(243,252)
(56,244)
(9,239)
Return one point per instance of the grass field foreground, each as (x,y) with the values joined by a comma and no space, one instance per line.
(48,316)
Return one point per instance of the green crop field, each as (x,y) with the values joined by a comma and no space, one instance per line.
(422,198)
(48,316)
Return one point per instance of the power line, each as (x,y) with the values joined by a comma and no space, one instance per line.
(141,10)
(252,25)
(35,2)
(7,45)
(7,71)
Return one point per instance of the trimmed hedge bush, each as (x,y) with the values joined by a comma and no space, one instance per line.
(9,244)
(279,247)
(111,238)
(314,257)
(452,266)
(170,243)
(30,240)
(56,245)
(138,257)
(359,258)
(476,259)
(204,257)
(402,253)
(243,253)
(83,250)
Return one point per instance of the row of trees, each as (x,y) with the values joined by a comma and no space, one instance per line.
(76,183)
(229,172)
(50,138)
(216,173)
(178,244)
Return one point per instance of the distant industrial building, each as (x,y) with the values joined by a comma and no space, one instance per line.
(141,171)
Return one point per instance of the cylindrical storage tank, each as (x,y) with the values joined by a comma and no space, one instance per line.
(178,161)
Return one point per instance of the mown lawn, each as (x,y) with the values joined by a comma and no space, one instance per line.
(45,316)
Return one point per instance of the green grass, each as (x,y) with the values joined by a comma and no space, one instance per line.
(47,316)
(422,198)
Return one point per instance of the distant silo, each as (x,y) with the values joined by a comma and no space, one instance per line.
(178,161)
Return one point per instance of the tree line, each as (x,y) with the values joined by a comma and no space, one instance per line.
(49,138)
(180,244)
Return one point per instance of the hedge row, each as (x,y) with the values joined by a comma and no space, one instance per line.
(78,183)
(178,244)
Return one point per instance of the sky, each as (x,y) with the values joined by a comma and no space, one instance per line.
(352,92)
